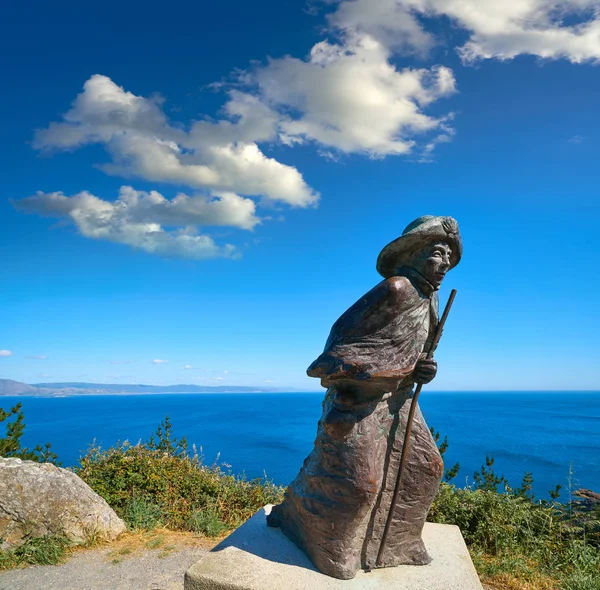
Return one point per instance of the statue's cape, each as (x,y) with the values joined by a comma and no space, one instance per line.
(381,336)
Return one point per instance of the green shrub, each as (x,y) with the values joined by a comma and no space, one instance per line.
(10,443)
(207,522)
(161,474)
(510,534)
(142,515)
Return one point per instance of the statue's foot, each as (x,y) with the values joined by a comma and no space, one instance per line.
(414,555)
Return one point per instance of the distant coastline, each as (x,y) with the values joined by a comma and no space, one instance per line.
(9,387)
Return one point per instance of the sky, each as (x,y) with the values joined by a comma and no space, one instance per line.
(194,193)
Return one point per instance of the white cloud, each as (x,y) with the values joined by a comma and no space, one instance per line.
(350,97)
(6,353)
(188,367)
(504,29)
(220,156)
(159,361)
(38,357)
(386,20)
(148,221)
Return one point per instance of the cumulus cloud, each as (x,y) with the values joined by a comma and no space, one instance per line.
(391,22)
(159,361)
(6,353)
(149,221)
(550,29)
(220,156)
(349,96)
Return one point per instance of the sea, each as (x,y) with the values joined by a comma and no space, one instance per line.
(553,435)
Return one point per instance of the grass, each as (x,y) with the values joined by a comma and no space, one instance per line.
(49,550)
(141,514)
(155,542)
(206,522)
(164,541)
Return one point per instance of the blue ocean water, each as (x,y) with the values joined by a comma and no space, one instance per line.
(547,434)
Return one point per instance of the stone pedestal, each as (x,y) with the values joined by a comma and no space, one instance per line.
(256,557)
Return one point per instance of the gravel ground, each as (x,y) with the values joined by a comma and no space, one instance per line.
(96,570)
(125,564)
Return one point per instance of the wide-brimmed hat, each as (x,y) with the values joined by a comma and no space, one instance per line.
(426,230)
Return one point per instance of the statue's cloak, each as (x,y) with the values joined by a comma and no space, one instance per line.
(381,336)
(336,508)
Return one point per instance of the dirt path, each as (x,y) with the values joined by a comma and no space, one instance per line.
(155,561)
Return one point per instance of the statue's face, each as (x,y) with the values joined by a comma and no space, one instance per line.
(433,263)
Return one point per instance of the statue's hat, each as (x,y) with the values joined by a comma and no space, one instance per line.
(424,231)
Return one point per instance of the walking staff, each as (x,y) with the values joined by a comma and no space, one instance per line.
(409,422)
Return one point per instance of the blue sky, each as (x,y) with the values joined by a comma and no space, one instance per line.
(211,185)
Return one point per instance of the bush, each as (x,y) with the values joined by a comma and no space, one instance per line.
(207,522)
(10,444)
(160,482)
(142,515)
(516,540)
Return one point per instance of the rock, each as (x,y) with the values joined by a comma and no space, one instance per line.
(589,495)
(40,499)
(586,500)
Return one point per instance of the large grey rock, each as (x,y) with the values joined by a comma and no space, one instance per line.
(39,499)
(256,557)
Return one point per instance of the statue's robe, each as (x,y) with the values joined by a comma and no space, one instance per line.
(337,507)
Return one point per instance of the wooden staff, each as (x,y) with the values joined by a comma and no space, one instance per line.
(409,422)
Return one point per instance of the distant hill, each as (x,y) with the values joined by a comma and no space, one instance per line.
(10,387)
(123,388)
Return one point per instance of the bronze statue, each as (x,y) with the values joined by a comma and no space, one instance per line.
(337,507)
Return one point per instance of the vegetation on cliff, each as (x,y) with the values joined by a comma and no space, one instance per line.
(10,443)
(160,483)
(517,542)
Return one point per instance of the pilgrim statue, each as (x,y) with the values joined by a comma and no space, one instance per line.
(337,507)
